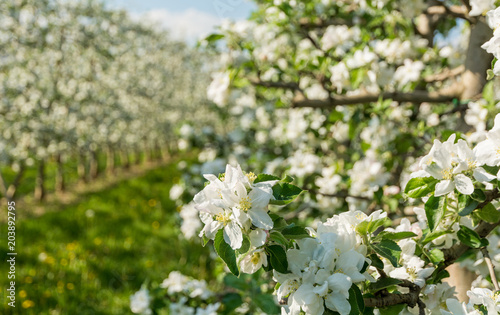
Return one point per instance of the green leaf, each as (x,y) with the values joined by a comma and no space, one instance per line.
(204,240)
(394,236)
(388,249)
(295,232)
(429,237)
(278,222)
(265,178)
(226,252)
(214,37)
(479,195)
(266,303)
(368,227)
(287,179)
(435,207)
(376,261)
(278,258)
(438,275)
(392,310)
(277,237)
(365,266)
(383,283)
(436,256)
(471,238)
(467,204)
(489,74)
(285,193)
(420,186)
(232,281)
(489,213)
(356,301)
(231,301)
(245,246)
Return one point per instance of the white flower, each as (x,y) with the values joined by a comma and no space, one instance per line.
(340,76)
(488,151)
(139,302)
(218,90)
(258,237)
(211,309)
(234,204)
(191,223)
(253,261)
(413,271)
(409,72)
(180,308)
(175,282)
(455,308)
(480,7)
(440,166)
(480,296)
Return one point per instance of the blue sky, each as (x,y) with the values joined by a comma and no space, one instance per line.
(188,19)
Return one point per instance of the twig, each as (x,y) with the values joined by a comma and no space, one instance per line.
(491,268)
(421,307)
(483,229)
(445,74)
(454,10)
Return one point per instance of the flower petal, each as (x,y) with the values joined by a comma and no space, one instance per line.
(463,184)
(444,187)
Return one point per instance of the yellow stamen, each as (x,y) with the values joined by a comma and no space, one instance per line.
(471,164)
(251,176)
(447,173)
(412,272)
(223,217)
(255,258)
(245,204)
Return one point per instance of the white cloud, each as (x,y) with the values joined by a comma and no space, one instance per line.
(189,25)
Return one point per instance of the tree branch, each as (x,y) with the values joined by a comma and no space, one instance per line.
(280,85)
(454,10)
(412,298)
(491,268)
(445,74)
(413,97)
(483,229)
(308,24)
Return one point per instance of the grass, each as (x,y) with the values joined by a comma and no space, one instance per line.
(88,258)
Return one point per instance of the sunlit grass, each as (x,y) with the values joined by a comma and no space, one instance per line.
(88,258)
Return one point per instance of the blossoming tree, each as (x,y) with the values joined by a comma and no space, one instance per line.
(385,112)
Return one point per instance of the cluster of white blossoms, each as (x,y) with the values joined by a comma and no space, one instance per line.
(179,288)
(493,45)
(324,268)
(139,302)
(481,301)
(235,204)
(190,221)
(455,164)
(413,267)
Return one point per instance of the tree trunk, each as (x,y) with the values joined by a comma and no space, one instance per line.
(60,184)
(94,166)
(461,279)
(40,182)
(477,61)
(149,153)
(81,169)
(124,159)
(137,159)
(110,161)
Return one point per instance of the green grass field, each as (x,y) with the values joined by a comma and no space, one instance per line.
(88,258)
